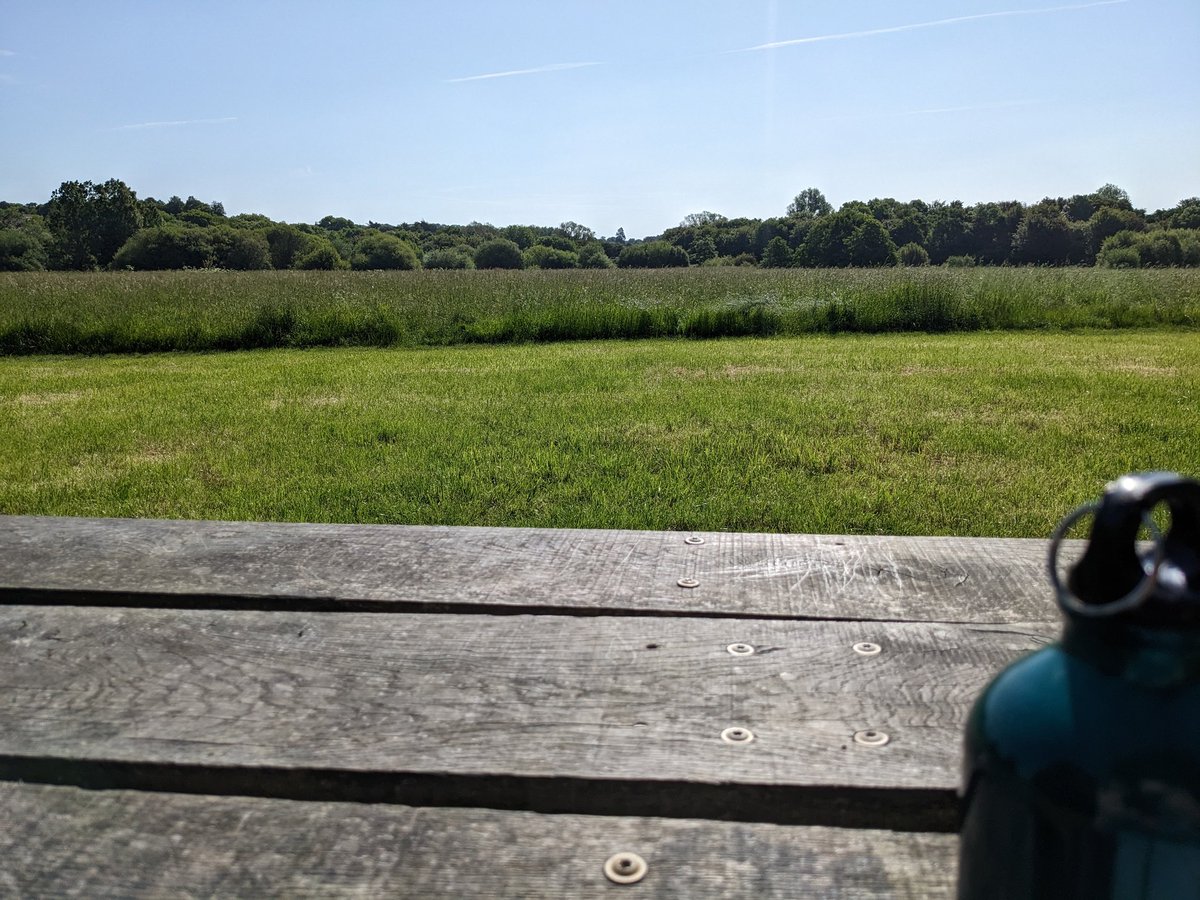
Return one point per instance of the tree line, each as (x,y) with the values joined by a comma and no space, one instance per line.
(87,226)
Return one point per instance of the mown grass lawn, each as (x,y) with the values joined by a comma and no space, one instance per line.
(976,434)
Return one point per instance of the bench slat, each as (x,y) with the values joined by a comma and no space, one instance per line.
(573,572)
(556,714)
(63,841)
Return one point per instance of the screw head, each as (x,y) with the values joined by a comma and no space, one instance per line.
(694,539)
(871,738)
(737,735)
(688,583)
(867,648)
(625,868)
(741,649)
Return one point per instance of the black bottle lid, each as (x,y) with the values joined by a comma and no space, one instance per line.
(1159,586)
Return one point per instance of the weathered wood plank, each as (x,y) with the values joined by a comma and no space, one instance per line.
(63,842)
(402,568)
(558,714)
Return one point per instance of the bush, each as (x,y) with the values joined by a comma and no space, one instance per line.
(913,254)
(449,258)
(960,262)
(1153,249)
(539,256)
(376,250)
(592,256)
(21,252)
(320,254)
(1119,258)
(652,255)
(242,250)
(499,254)
(718,262)
(167,247)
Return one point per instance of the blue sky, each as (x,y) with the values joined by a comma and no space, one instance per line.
(629,113)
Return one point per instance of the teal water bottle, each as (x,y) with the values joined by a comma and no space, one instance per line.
(1082,760)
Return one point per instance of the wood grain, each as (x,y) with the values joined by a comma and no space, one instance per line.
(517,570)
(558,714)
(67,842)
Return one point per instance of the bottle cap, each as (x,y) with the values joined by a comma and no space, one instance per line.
(1158,585)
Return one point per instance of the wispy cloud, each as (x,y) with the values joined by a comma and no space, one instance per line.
(7,52)
(554,67)
(936,23)
(176,123)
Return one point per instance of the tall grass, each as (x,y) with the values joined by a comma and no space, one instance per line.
(217,310)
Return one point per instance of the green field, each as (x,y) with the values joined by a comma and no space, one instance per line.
(118,312)
(968,434)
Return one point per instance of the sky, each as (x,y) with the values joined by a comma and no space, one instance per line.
(623,113)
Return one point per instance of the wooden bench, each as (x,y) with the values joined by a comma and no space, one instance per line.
(237,709)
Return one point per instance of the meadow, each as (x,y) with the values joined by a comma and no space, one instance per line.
(966,434)
(121,312)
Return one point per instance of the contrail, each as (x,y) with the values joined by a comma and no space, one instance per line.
(556,67)
(849,35)
(176,122)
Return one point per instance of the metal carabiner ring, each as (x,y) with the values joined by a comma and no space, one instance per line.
(1072,604)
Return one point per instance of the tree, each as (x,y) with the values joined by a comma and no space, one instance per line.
(1108,220)
(652,255)
(1111,195)
(949,231)
(335,223)
(695,220)
(499,254)
(778,254)
(577,232)
(1185,215)
(521,235)
(809,203)
(990,235)
(835,240)
(870,245)
(1043,237)
(736,240)
(376,250)
(557,241)
(703,249)
(90,222)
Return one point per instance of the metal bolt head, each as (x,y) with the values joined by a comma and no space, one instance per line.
(871,738)
(694,539)
(866,648)
(737,735)
(625,868)
(741,649)
(688,583)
